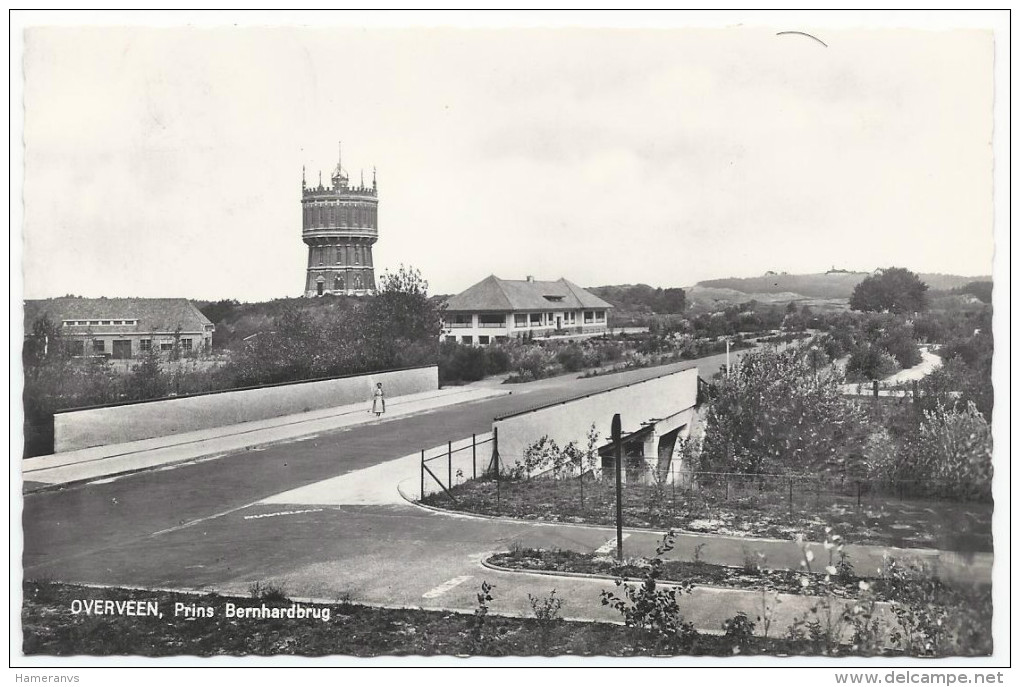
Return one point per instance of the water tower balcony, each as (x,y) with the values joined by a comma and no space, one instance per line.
(316,233)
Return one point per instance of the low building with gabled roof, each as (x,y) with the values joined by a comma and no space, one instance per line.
(497,309)
(123,327)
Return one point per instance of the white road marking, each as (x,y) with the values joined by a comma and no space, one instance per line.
(282,512)
(445,587)
(105,481)
(609,546)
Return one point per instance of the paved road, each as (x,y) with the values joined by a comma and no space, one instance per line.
(201,526)
(89,522)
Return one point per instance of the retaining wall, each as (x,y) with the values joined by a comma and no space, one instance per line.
(657,398)
(104,425)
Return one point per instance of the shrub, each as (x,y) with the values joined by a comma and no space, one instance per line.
(267,592)
(497,360)
(572,358)
(869,361)
(546,609)
(531,364)
(934,619)
(654,608)
(459,362)
(739,630)
(955,449)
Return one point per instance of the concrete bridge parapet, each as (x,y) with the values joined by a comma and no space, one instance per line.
(654,413)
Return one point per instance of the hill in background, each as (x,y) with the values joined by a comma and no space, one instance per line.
(824,285)
(821,292)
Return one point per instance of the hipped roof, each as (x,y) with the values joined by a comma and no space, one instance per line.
(153,314)
(503,295)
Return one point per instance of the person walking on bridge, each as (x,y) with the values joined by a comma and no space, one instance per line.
(378,400)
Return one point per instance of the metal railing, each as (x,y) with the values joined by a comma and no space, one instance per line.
(431,465)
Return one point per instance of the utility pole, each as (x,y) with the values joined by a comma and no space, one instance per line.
(618,443)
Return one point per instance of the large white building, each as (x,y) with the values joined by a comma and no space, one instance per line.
(497,309)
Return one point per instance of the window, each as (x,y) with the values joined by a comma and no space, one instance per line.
(520,320)
(166,345)
(600,316)
(589,317)
(186,344)
(536,319)
(465,339)
(357,282)
(321,251)
(145,345)
(483,339)
(338,284)
(554,299)
(492,321)
(98,345)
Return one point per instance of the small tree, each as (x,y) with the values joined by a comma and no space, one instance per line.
(147,378)
(402,324)
(775,414)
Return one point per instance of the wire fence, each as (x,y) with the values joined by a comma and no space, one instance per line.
(593,487)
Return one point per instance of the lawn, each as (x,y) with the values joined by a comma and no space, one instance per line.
(773,513)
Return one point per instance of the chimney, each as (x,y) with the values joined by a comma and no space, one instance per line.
(529,278)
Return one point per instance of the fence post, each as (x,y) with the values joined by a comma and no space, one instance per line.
(422,474)
(580,479)
(874,388)
(495,461)
(915,391)
(449,463)
(474,453)
(617,431)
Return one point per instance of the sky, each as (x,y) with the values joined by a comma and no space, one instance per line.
(167,161)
